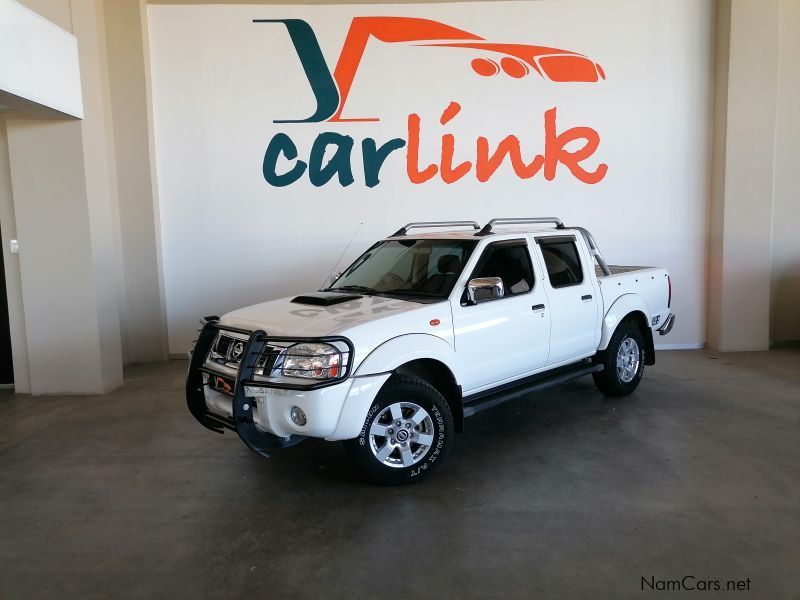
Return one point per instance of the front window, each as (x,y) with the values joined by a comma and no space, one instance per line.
(426,268)
(511,262)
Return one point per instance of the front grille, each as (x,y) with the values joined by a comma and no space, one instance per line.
(268,358)
(223,345)
(228,351)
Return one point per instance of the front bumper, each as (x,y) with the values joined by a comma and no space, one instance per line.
(259,411)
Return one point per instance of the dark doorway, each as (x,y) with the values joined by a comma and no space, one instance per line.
(6,366)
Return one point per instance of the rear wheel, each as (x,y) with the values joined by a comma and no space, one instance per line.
(406,435)
(623,361)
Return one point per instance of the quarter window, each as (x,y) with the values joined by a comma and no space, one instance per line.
(562,262)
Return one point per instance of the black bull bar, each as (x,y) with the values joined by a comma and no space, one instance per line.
(242,423)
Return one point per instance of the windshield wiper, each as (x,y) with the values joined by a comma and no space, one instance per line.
(408,292)
(353,288)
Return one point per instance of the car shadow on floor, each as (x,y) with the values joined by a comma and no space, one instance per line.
(525,427)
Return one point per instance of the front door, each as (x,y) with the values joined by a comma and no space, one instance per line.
(498,340)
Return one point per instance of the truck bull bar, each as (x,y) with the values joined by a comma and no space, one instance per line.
(260,442)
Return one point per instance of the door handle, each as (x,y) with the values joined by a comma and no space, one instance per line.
(537,307)
(586,297)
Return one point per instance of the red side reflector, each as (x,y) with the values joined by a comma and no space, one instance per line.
(669,298)
(435,322)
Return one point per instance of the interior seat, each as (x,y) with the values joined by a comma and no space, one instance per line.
(448,267)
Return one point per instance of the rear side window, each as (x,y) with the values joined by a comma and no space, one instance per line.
(562,262)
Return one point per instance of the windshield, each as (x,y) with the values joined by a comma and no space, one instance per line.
(424,268)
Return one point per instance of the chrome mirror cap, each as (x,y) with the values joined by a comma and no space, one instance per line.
(493,284)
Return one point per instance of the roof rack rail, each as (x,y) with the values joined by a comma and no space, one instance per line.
(488,227)
(404,230)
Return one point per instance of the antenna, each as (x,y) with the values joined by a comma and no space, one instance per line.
(338,260)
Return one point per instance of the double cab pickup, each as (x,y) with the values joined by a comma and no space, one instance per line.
(428,326)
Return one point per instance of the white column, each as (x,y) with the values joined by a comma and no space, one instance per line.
(144,314)
(743,175)
(72,336)
(785,290)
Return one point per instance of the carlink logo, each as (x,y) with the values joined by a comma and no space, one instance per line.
(331,91)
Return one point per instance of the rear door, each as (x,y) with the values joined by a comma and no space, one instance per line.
(505,338)
(573,298)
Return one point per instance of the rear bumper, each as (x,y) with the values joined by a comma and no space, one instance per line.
(667,326)
(259,412)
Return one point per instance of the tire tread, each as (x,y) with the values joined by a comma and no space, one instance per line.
(382,475)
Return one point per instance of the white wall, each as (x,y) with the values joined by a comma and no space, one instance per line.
(39,60)
(219,81)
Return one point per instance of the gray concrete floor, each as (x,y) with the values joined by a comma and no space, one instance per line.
(566,494)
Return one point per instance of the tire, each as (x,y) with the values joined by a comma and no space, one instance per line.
(390,455)
(621,372)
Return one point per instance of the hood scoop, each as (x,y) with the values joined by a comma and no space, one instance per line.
(324,298)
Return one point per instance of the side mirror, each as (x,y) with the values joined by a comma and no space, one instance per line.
(493,284)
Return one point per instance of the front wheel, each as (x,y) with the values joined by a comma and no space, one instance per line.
(623,361)
(406,435)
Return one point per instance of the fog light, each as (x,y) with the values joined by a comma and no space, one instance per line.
(298,416)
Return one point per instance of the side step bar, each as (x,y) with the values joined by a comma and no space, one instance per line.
(499,395)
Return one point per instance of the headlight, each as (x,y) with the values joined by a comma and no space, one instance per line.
(313,361)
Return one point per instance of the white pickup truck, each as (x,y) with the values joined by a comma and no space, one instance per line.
(422,331)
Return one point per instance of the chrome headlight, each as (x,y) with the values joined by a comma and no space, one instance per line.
(312,361)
